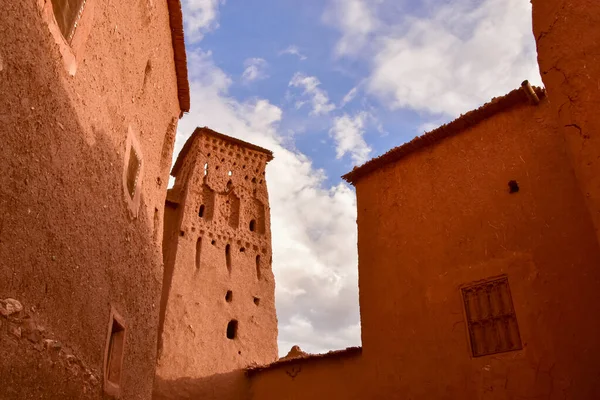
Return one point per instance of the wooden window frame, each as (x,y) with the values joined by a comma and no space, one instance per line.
(507,318)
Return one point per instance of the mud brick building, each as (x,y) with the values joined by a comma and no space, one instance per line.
(91,93)
(478,242)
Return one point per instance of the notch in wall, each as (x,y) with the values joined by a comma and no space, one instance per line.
(113,354)
(133,173)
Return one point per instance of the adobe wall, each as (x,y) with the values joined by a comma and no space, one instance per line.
(323,377)
(567,38)
(226,180)
(443,217)
(69,246)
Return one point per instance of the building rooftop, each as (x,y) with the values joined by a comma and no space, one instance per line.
(209,132)
(465,121)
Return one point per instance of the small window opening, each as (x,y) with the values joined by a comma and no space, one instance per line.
(217,167)
(181,233)
(213,242)
(67,14)
(228,257)
(242,249)
(198,252)
(253,180)
(229,173)
(252,225)
(201,211)
(232,327)
(229,185)
(258,273)
(133,172)
(222,159)
(256,301)
(229,296)
(246,177)
(513,187)
(114,356)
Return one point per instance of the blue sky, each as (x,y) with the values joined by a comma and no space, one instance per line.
(327,85)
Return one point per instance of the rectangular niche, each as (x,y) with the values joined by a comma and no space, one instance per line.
(258,211)
(491,319)
(113,356)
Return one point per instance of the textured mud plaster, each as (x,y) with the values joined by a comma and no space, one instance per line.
(67,244)
(441,216)
(571,74)
(210,323)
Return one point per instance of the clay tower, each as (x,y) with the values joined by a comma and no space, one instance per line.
(218,305)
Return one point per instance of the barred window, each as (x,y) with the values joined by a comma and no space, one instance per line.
(491,318)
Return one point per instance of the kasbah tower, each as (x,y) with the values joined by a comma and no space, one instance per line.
(218,306)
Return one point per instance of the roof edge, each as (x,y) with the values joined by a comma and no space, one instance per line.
(179,54)
(460,124)
(347,352)
(207,131)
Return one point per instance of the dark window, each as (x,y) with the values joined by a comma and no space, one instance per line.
(201,211)
(198,252)
(491,318)
(133,172)
(67,13)
(256,301)
(252,225)
(232,329)
(229,296)
(258,272)
(228,257)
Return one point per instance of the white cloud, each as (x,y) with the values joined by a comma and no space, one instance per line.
(355,19)
(200,17)
(349,96)
(456,58)
(293,50)
(348,134)
(255,70)
(313,226)
(318,97)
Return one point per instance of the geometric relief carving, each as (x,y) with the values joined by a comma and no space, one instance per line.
(491,319)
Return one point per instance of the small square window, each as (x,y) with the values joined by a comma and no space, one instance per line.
(113,358)
(491,319)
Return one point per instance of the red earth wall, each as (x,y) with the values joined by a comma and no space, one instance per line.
(443,217)
(568,39)
(70,246)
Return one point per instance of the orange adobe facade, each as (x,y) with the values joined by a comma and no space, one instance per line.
(218,301)
(91,96)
